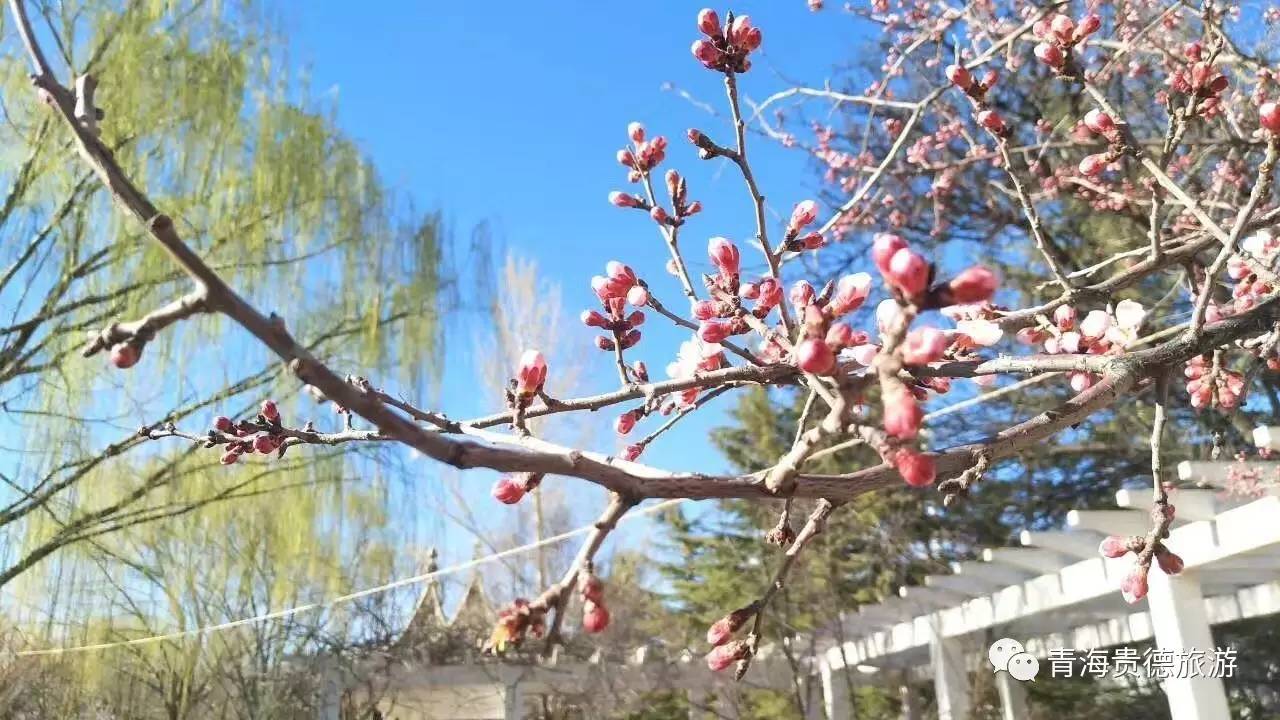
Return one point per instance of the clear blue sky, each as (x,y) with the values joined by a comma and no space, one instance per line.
(512,113)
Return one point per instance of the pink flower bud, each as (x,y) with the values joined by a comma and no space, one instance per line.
(959,76)
(813,241)
(1114,546)
(658,214)
(265,444)
(1095,325)
(595,618)
(709,22)
(706,53)
(748,291)
(804,214)
(641,370)
(1093,165)
(801,294)
(725,655)
(815,356)
(992,121)
(635,319)
(124,355)
(625,423)
(883,248)
(694,208)
(908,272)
(770,293)
(590,587)
(1050,54)
(631,452)
(635,131)
(722,630)
(704,309)
(851,292)
(1170,562)
(974,285)
(739,29)
(1269,117)
(916,468)
(507,491)
(531,373)
(1089,25)
(604,343)
(1134,585)
(1065,317)
(591,318)
(630,339)
(1099,122)
(223,424)
(840,335)
(1063,26)
(638,296)
(270,411)
(624,200)
(902,414)
(230,457)
(724,255)
(626,158)
(713,332)
(924,345)
(748,41)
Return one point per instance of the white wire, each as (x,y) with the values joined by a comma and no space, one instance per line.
(350,596)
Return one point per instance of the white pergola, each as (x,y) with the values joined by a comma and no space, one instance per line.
(1057,592)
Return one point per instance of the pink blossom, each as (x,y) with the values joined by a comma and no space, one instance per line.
(624,423)
(851,292)
(1095,324)
(908,272)
(709,22)
(635,131)
(531,373)
(722,630)
(1114,546)
(270,412)
(595,618)
(507,490)
(992,121)
(975,284)
(638,296)
(916,468)
(801,295)
(815,356)
(1269,117)
(1134,585)
(1099,122)
(1050,54)
(959,76)
(723,656)
(902,414)
(711,331)
(883,248)
(1065,317)
(924,345)
(803,215)
(724,255)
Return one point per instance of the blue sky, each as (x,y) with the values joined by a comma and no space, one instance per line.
(511,113)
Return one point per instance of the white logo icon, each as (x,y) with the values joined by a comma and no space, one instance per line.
(1009,655)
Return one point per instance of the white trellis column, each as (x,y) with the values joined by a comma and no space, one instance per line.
(950,678)
(1013,697)
(835,702)
(1180,622)
(512,702)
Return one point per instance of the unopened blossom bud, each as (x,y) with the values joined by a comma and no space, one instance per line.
(1065,317)
(883,248)
(223,424)
(916,468)
(959,76)
(638,296)
(590,587)
(851,292)
(620,273)
(1134,585)
(992,121)
(748,291)
(1050,54)
(624,200)
(635,319)
(924,345)
(1095,325)
(624,423)
(1062,26)
(229,457)
(1099,122)
(592,318)
(709,22)
(840,335)
(739,29)
(631,452)
(604,343)
(703,309)
(908,272)
(710,331)
(270,411)
(722,630)
(724,255)
(658,214)
(706,53)
(723,656)
(974,285)
(813,241)
(902,414)
(694,208)
(989,78)
(770,293)
(595,618)
(1093,165)
(815,356)
(626,158)
(635,131)
(1089,25)
(507,491)
(1170,562)
(1114,546)
(641,371)
(1269,117)
(125,355)
(801,294)
(804,214)
(630,339)
(531,373)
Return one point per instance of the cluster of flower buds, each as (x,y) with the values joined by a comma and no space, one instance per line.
(718,319)
(616,289)
(695,356)
(1211,386)
(1101,332)
(1202,80)
(1269,118)
(510,489)
(515,622)
(595,616)
(909,275)
(1059,35)
(977,89)
(1262,247)
(1134,586)
(804,214)
(725,650)
(642,156)
(263,435)
(725,48)
(1100,123)
(824,337)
